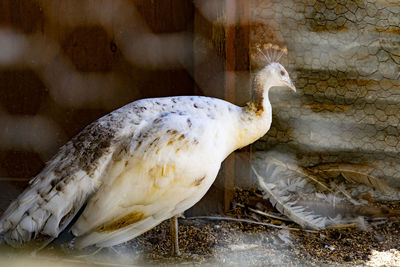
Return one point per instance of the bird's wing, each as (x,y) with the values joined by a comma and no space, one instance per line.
(57,193)
(168,168)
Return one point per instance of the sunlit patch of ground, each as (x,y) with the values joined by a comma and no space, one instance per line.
(384,258)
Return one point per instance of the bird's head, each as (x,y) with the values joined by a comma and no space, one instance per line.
(273,74)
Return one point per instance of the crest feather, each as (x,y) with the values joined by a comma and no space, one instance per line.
(271,52)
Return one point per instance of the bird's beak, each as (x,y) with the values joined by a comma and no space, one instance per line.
(291,85)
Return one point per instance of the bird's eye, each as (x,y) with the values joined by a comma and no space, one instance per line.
(282,73)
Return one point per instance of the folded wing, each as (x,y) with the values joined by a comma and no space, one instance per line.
(169,166)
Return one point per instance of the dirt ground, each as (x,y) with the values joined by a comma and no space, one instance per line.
(212,240)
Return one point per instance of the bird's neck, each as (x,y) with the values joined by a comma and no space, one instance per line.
(256,115)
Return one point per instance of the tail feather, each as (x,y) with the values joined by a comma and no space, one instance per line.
(108,239)
(102,238)
(132,233)
(56,194)
(39,211)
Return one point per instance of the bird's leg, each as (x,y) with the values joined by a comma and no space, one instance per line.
(174,235)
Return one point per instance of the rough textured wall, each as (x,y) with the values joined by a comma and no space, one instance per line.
(344,57)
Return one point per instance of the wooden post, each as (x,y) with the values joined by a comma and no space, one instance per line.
(221,56)
(237,60)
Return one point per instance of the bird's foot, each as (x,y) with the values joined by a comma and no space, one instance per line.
(174,236)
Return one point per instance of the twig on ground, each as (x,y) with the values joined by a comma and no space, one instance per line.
(90,254)
(265,213)
(342,226)
(216,218)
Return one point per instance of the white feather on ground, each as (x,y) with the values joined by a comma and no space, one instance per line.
(305,198)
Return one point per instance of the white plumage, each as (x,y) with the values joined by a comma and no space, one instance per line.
(137,166)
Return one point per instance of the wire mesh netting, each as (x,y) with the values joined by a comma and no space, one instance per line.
(344,56)
(66,63)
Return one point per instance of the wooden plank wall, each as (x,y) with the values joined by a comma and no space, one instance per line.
(92,51)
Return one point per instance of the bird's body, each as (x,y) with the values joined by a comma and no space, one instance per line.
(135,167)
